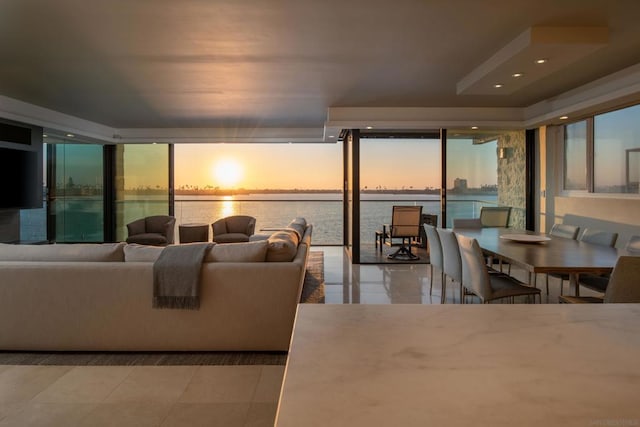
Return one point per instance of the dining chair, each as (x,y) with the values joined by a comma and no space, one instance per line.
(476,277)
(468,223)
(435,255)
(452,263)
(600,282)
(495,216)
(623,287)
(405,224)
(566,231)
(594,237)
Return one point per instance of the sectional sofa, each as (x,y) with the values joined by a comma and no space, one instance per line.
(98,297)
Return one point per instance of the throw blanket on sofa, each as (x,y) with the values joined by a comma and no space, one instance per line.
(176,276)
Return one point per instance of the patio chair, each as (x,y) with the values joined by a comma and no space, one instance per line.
(405,225)
(157,230)
(623,286)
(495,216)
(487,287)
(469,223)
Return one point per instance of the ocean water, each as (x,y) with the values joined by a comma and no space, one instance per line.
(324,211)
(82,219)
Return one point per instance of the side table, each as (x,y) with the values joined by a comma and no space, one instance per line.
(194,232)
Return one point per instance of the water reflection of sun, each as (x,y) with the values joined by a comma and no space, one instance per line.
(227,206)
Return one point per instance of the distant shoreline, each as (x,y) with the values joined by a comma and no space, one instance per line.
(243,192)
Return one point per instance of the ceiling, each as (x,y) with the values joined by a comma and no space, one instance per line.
(253,64)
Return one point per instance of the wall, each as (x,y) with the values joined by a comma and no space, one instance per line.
(512,176)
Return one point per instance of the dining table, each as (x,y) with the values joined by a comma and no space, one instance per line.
(541,253)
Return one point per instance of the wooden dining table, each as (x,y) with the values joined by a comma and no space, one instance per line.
(555,255)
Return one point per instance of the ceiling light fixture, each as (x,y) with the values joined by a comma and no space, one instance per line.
(517,74)
(498,85)
(564,117)
(44,135)
(70,135)
(541,61)
(474,127)
(369,127)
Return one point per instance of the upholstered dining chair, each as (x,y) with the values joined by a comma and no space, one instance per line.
(495,216)
(600,283)
(435,254)
(405,225)
(452,264)
(233,229)
(487,287)
(157,230)
(623,287)
(595,237)
(566,231)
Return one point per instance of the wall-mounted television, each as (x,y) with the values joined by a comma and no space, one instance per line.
(20,179)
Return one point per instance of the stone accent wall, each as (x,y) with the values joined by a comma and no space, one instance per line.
(512,176)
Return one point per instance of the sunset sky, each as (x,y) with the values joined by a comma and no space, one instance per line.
(384,163)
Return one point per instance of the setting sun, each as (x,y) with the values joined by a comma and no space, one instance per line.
(227,172)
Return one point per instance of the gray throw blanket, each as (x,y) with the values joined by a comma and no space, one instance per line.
(176,276)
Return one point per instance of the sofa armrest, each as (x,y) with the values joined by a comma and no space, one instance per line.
(251,227)
(170,231)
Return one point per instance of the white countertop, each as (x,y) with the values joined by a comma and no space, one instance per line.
(471,365)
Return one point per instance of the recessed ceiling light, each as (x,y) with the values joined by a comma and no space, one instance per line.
(369,127)
(564,117)
(517,75)
(70,135)
(332,136)
(498,85)
(541,61)
(44,135)
(474,127)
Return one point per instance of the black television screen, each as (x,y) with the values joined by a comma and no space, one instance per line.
(20,179)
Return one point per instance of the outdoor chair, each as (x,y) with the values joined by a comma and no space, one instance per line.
(233,229)
(495,216)
(405,225)
(157,230)
(487,287)
(623,287)
(469,223)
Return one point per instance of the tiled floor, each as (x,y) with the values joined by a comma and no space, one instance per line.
(200,395)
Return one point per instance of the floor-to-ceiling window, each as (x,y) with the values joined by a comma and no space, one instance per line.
(396,170)
(272,182)
(75,199)
(141,183)
(485,169)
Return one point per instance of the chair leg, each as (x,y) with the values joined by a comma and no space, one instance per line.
(547,282)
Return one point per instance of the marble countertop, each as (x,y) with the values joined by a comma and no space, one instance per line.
(463,365)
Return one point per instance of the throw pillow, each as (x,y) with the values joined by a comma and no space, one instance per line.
(283,246)
(134,252)
(238,252)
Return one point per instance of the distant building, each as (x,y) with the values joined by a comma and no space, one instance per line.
(460,184)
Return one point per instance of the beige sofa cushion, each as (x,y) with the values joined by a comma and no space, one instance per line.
(134,252)
(105,252)
(283,246)
(238,252)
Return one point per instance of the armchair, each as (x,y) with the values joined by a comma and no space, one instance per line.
(155,230)
(233,229)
